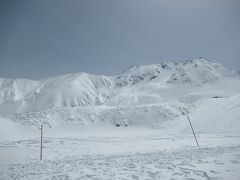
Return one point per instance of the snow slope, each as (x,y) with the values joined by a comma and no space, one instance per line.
(69,90)
(156,96)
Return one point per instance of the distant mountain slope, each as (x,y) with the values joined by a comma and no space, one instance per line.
(157,95)
(15,89)
(140,84)
(69,90)
(197,71)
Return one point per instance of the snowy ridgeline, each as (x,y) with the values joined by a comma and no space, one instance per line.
(157,96)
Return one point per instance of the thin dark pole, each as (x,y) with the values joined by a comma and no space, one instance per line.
(41,142)
(192,130)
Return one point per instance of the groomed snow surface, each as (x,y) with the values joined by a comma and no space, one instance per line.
(129,126)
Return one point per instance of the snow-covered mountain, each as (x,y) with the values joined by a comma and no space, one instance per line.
(69,90)
(197,71)
(157,95)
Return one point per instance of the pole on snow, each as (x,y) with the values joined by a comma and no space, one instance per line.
(41,142)
(192,130)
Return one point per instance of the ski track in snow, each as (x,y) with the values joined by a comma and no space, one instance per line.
(183,162)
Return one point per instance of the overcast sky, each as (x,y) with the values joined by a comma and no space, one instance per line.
(41,38)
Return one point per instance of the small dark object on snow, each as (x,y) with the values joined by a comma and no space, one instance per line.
(153,77)
(217,97)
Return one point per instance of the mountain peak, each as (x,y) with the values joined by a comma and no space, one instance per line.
(195,71)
